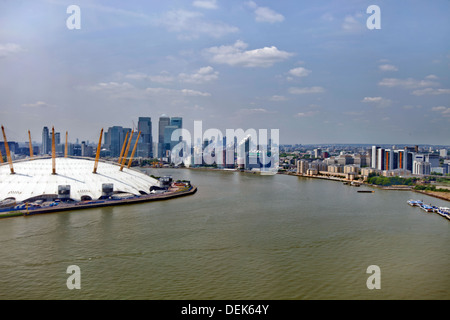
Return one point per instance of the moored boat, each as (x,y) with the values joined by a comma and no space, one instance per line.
(415,203)
(427,208)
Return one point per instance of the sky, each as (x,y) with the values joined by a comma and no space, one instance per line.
(312,69)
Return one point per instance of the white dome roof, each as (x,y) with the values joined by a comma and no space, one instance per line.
(33,178)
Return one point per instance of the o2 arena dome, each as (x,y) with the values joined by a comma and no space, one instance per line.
(73,179)
(68,178)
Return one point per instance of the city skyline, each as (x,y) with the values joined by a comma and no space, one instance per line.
(314,71)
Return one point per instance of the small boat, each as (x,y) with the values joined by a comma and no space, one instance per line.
(427,208)
(365,191)
(415,203)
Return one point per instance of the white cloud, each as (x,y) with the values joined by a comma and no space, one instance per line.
(125,90)
(444,111)
(440,108)
(299,72)
(306,114)
(191,25)
(194,93)
(408,83)
(265,14)
(372,99)
(278,98)
(430,91)
(163,77)
(204,74)
(236,55)
(9,49)
(351,23)
(409,107)
(205,4)
(388,67)
(306,90)
(378,101)
(37,104)
(253,111)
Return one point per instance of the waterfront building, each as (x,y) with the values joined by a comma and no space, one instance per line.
(443,153)
(302,166)
(351,169)
(421,167)
(381,159)
(374,158)
(366,171)
(442,170)
(433,159)
(336,168)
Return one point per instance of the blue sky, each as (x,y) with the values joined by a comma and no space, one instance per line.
(311,69)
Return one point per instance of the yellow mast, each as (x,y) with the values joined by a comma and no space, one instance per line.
(31,145)
(53,152)
(126,151)
(8,154)
(66,147)
(1,158)
(98,151)
(134,149)
(123,148)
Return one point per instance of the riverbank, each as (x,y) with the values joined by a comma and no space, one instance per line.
(439,195)
(175,193)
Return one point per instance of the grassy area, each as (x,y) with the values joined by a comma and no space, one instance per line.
(10,214)
(391,181)
(443,181)
(430,188)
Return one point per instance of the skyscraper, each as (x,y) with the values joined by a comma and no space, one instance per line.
(46,143)
(177,122)
(168,143)
(146,140)
(114,139)
(164,121)
(374,157)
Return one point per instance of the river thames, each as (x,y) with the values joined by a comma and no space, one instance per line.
(241,236)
